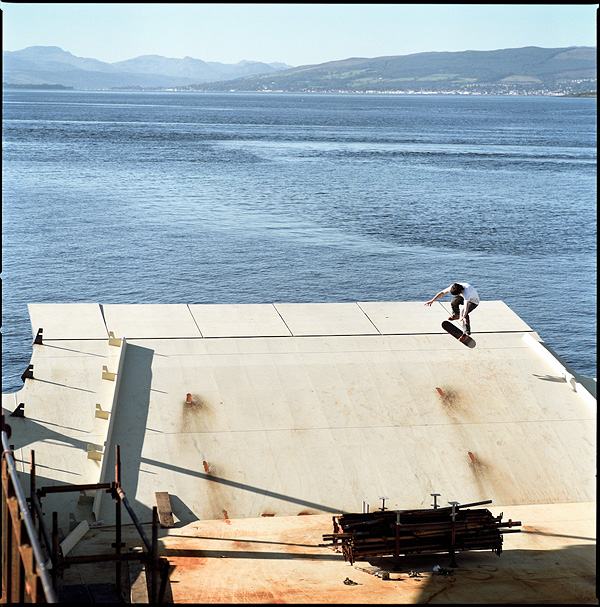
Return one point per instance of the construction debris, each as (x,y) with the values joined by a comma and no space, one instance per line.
(402,532)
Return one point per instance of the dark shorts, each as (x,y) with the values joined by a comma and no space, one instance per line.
(458,301)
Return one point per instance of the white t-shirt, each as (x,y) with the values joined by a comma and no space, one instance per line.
(469,294)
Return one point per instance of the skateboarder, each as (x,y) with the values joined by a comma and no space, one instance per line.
(464,293)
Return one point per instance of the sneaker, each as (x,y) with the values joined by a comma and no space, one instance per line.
(453,317)
(463,337)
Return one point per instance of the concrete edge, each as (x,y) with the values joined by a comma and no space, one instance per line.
(575,381)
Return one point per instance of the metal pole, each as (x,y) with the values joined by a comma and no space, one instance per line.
(54,547)
(154,565)
(135,519)
(118,569)
(452,549)
(164,577)
(43,531)
(32,484)
(397,551)
(472,504)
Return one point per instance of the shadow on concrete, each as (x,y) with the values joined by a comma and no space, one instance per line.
(45,381)
(242,486)
(248,554)
(37,432)
(563,575)
(48,344)
(238,539)
(554,378)
(129,428)
(181,511)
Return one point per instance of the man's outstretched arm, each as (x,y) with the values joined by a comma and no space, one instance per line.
(428,303)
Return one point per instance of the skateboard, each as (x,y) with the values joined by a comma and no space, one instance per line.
(457,333)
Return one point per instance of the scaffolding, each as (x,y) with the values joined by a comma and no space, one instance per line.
(32,559)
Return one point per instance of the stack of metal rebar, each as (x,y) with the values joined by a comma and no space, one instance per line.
(392,532)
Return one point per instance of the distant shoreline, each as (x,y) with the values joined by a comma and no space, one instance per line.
(60,87)
(38,87)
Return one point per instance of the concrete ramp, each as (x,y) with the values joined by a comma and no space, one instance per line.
(286,409)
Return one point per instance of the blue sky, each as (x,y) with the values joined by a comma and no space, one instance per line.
(296,34)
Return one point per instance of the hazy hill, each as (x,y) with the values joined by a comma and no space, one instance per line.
(520,68)
(52,65)
(431,71)
(194,69)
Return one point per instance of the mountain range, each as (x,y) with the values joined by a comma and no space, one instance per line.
(520,69)
(37,65)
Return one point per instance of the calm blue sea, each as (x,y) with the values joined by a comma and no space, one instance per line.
(114,197)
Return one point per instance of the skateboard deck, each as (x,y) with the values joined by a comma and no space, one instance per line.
(456,332)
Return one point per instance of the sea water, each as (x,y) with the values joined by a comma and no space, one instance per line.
(134,197)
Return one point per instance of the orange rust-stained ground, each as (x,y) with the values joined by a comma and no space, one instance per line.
(279,560)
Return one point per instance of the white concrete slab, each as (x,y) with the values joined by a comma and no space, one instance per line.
(414,317)
(490,317)
(326,319)
(68,320)
(284,431)
(150,321)
(496,316)
(310,424)
(239,320)
(9,402)
(405,318)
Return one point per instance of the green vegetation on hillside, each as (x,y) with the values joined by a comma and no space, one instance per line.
(429,72)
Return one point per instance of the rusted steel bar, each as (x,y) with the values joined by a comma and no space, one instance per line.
(402,532)
(104,558)
(43,491)
(15,571)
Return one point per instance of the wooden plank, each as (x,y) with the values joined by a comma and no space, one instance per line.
(165,514)
(73,538)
